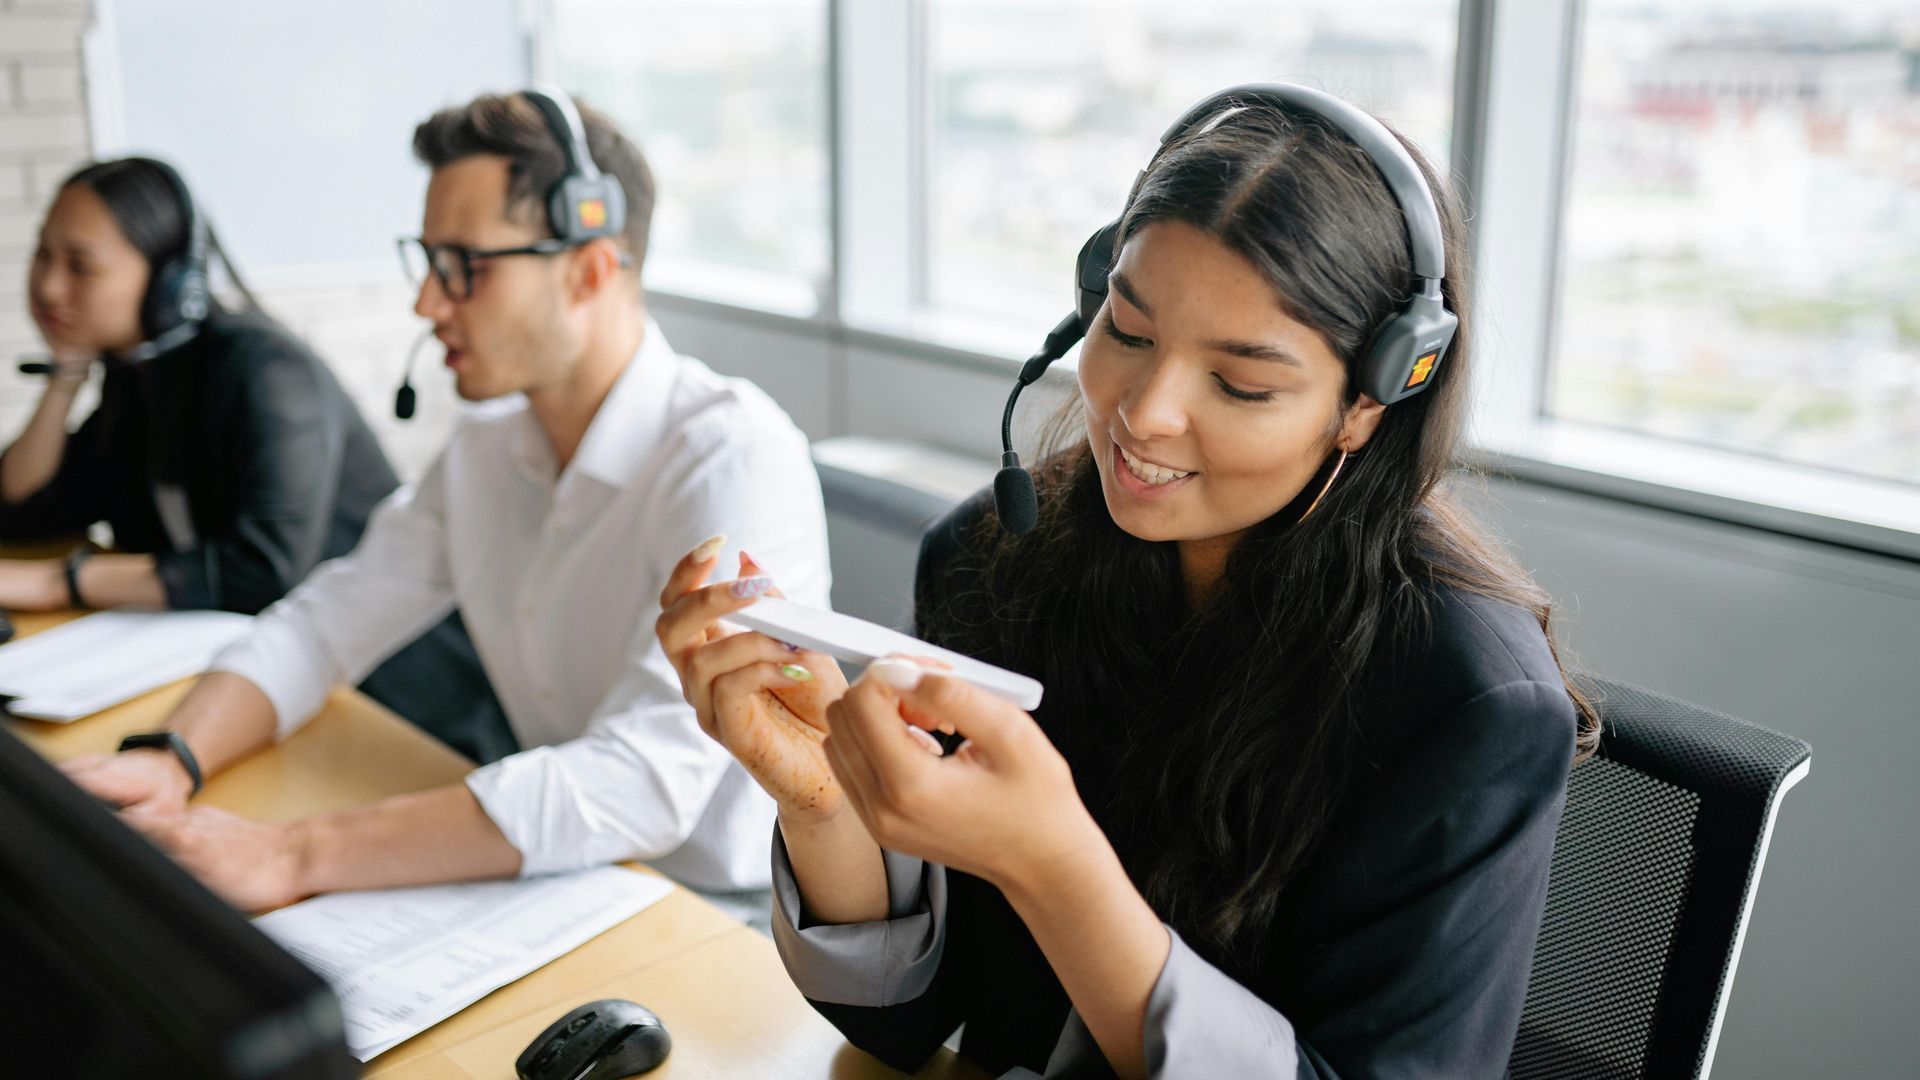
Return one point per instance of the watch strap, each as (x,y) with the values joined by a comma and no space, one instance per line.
(168,740)
(75,560)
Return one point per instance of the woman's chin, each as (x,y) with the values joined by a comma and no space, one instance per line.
(1149,521)
(57,339)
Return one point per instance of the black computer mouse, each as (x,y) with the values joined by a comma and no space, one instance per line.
(601,1040)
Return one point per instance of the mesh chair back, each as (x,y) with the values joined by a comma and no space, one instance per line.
(1654,870)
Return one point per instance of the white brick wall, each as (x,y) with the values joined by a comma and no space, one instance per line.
(362,332)
(42,29)
(43,134)
(48,83)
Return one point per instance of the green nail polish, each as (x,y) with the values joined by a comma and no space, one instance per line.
(796,672)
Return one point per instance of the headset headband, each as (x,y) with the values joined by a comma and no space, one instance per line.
(564,121)
(196,254)
(584,204)
(1389,156)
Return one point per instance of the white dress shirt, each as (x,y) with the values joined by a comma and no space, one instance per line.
(558,576)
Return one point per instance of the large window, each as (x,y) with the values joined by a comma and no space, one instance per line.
(1742,230)
(1042,111)
(728,98)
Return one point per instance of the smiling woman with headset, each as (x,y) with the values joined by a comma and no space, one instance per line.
(223,453)
(1289,803)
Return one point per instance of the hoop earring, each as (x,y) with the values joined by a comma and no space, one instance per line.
(1326,487)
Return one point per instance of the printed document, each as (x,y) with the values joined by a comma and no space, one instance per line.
(95,662)
(402,960)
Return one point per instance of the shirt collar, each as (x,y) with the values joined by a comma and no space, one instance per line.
(630,423)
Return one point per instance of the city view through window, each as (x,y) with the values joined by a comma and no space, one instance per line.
(1043,111)
(728,99)
(1742,230)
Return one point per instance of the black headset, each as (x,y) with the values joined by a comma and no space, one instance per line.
(178,297)
(584,204)
(178,294)
(1405,352)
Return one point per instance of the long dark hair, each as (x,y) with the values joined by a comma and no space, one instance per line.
(147,209)
(1215,802)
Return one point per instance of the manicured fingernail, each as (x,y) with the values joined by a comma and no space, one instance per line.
(796,673)
(897,673)
(709,547)
(790,648)
(927,742)
(742,588)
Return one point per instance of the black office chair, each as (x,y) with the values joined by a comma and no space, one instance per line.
(1654,871)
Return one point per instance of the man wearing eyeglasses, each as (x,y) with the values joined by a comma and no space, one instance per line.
(551,528)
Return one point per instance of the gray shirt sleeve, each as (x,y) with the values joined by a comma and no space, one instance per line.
(1202,1023)
(868,964)
(1199,1023)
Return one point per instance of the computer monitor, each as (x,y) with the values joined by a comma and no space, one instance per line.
(115,963)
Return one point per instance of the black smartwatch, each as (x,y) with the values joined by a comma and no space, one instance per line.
(75,560)
(168,740)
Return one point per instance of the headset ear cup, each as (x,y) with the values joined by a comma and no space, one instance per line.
(160,308)
(177,295)
(582,208)
(195,298)
(1090,270)
(1405,356)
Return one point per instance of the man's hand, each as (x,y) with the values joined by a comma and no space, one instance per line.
(148,780)
(253,866)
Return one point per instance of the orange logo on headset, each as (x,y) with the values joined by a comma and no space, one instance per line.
(593,213)
(1422,368)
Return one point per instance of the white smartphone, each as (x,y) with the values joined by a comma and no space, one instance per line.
(858,641)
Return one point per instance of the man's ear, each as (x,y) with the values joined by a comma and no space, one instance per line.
(593,267)
(1362,420)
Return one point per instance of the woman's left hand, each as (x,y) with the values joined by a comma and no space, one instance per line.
(1002,806)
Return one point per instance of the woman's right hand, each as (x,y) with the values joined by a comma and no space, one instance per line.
(763,701)
(71,367)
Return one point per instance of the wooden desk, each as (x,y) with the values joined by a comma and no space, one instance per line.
(718,985)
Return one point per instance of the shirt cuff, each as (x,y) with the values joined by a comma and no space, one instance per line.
(1202,1023)
(533,798)
(1075,1057)
(870,964)
(191,579)
(287,666)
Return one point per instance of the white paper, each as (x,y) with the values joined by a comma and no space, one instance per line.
(402,960)
(77,669)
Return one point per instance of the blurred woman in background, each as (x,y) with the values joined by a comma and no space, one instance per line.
(223,453)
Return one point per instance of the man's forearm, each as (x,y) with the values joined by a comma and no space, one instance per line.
(421,838)
(224,718)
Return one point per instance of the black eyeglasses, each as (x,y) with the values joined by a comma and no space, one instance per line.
(453,264)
